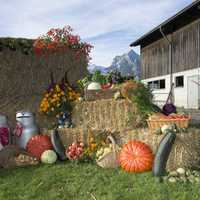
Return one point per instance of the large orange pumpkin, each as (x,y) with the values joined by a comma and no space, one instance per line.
(136,156)
(38,144)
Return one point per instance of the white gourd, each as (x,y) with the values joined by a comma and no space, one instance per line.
(166,128)
(48,157)
(94,86)
(181,171)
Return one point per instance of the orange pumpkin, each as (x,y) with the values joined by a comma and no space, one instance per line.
(136,156)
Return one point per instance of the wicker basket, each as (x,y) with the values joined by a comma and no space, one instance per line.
(154,124)
(110,160)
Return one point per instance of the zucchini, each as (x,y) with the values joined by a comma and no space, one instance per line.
(162,154)
(57,145)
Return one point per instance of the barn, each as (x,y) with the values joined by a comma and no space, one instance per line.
(170,57)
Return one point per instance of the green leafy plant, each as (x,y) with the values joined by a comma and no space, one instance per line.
(141,96)
(17,44)
(82,83)
(99,77)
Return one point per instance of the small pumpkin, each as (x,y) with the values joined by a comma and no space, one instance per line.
(136,156)
(38,144)
(48,157)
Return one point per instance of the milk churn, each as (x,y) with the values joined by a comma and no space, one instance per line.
(4,131)
(26,127)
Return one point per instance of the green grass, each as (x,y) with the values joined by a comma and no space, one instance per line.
(88,182)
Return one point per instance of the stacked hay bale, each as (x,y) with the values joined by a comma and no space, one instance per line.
(103,114)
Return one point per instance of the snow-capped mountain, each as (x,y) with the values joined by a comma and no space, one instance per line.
(128,64)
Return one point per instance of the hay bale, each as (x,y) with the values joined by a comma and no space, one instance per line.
(185,152)
(103,114)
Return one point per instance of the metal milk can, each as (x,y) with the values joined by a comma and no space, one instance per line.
(4,131)
(25,128)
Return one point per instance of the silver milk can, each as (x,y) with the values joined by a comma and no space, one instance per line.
(4,131)
(26,127)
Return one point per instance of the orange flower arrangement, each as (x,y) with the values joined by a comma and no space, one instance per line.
(58,99)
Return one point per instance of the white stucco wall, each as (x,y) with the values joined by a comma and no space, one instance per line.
(180,94)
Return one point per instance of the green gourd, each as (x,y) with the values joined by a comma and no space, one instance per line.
(162,154)
(57,145)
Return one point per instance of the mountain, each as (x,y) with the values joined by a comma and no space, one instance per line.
(92,68)
(127,64)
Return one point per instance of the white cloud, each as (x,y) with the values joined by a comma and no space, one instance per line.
(96,21)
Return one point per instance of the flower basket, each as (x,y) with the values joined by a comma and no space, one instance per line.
(154,124)
(110,160)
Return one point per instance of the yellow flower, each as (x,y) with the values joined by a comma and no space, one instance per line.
(93,146)
(91,140)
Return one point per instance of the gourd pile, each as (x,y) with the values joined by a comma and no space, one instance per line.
(75,150)
(23,160)
(183,176)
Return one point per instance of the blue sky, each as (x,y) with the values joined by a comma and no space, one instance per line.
(109,25)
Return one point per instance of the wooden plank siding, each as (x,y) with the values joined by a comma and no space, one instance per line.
(155,58)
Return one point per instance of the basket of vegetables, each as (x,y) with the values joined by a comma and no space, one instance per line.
(108,157)
(158,120)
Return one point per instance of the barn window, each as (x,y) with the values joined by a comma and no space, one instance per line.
(162,84)
(179,81)
(150,85)
(158,84)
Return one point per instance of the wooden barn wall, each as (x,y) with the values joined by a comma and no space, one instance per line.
(185,52)
(155,59)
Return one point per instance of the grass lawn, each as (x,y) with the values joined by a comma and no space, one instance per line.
(88,182)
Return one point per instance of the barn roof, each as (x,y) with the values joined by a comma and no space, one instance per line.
(182,18)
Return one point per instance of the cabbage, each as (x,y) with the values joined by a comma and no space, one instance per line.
(48,157)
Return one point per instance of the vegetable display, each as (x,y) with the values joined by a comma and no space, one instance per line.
(38,144)
(136,156)
(57,145)
(48,157)
(162,154)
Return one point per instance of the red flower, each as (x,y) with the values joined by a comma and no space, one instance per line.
(60,40)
